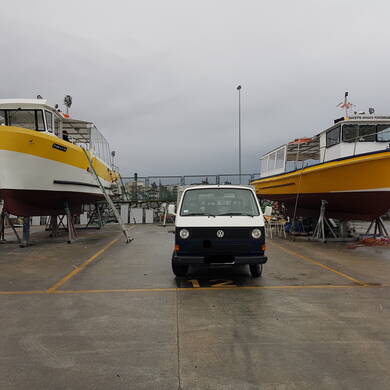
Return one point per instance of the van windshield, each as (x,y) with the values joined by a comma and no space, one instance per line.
(218,202)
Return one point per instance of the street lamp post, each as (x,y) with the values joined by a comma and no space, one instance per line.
(239,132)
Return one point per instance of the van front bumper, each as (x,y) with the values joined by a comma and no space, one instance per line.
(237,260)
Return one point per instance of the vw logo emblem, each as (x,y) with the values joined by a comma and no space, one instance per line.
(220,233)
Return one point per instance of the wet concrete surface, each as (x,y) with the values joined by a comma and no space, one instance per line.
(102,314)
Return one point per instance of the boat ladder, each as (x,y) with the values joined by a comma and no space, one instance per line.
(108,199)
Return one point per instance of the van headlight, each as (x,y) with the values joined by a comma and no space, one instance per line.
(256,233)
(184,234)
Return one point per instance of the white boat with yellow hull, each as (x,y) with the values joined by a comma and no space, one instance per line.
(348,165)
(43,159)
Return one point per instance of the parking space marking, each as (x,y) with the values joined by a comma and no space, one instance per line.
(310,260)
(23,292)
(195,283)
(202,282)
(79,268)
(173,289)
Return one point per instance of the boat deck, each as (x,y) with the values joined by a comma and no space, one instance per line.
(101,314)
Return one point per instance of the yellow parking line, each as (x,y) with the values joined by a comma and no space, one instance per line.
(173,289)
(310,260)
(82,266)
(168,289)
(23,292)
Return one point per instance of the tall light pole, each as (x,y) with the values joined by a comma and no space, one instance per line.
(239,132)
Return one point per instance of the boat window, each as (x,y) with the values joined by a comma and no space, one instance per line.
(279,159)
(271,161)
(56,125)
(350,133)
(40,122)
(367,133)
(49,121)
(333,137)
(383,134)
(2,118)
(264,164)
(28,119)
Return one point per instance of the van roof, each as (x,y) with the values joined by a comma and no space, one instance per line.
(209,186)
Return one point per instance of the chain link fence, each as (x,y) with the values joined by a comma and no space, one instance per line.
(164,188)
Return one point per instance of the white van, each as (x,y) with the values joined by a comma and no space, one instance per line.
(219,224)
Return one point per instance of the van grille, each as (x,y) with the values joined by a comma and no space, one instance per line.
(235,233)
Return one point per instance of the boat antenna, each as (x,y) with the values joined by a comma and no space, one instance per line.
(346,105)
(68,103)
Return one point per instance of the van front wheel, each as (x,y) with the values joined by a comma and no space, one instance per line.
(256,270)
(179,269)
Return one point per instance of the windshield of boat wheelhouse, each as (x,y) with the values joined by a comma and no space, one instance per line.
(2,118)
(365,132)
(218,202)
(28,119)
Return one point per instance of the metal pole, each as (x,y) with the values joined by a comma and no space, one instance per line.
(239,132)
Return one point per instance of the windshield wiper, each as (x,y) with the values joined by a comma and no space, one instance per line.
(198,214)
(233,214)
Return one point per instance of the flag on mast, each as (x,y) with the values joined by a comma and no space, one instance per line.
(345,104)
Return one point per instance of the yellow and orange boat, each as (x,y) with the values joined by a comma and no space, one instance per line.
(347,165)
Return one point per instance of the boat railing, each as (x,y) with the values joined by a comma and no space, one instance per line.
(303,153)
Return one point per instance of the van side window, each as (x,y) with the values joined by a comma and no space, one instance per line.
(333,137)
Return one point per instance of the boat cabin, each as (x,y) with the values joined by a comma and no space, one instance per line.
(348,137)
(32,114)
(355,135)
(36,114)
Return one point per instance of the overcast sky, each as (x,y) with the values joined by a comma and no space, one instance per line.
(159,77)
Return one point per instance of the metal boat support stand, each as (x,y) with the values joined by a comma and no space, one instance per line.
(108,199)
(72,234)
(96,217)
(26,232)
(320,229)
(379,228)
(54,225)
(4,217)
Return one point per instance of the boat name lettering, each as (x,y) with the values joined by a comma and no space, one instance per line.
(60,147)
(369,117)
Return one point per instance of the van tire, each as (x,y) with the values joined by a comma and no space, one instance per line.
(256,270)
(179,269)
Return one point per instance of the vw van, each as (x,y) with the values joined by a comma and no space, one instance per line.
(219,224)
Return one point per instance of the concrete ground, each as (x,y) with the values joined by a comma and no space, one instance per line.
(100,314)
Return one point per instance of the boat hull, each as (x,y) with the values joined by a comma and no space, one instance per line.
(39,202)
(355,188)
(37,179)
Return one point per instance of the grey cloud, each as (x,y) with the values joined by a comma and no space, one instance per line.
(158,78)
